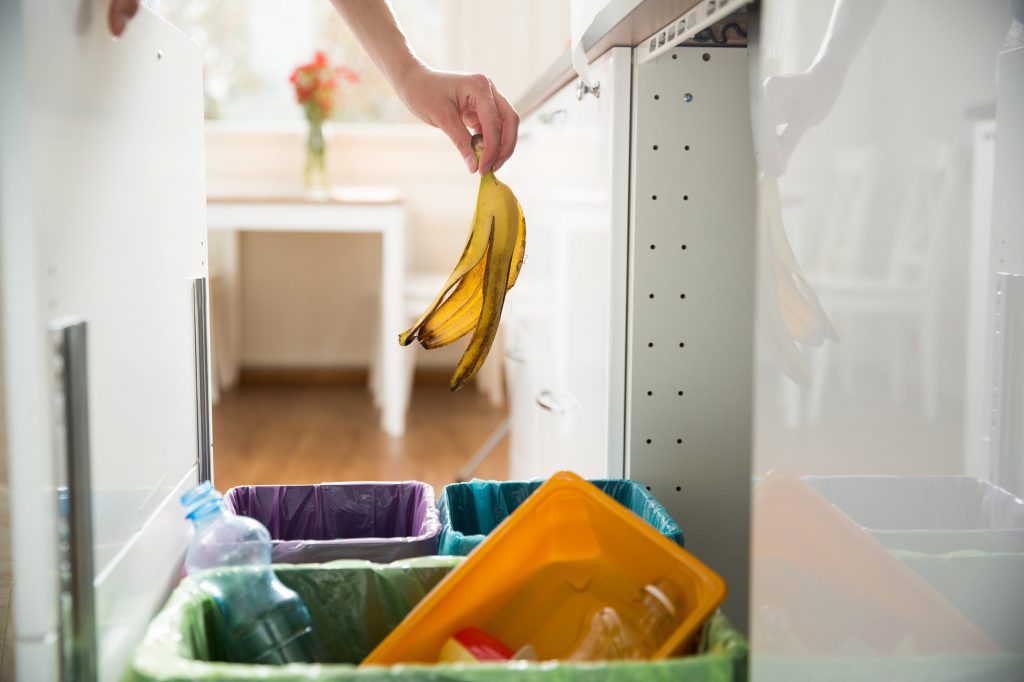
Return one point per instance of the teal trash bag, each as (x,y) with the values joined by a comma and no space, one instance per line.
(470,511)
(355,604)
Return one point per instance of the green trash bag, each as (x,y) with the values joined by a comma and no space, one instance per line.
(355,604)
(470,511)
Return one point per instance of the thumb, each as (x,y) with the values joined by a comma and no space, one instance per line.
(460,137)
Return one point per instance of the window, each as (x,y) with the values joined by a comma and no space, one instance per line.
(251,46)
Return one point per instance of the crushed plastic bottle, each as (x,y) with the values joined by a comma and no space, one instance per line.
(263,621)
(637,632)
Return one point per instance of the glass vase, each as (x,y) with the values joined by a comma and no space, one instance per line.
(316,170)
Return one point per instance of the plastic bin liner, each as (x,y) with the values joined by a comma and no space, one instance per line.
(470,511)
(936,514)
(316,523)
(354,604)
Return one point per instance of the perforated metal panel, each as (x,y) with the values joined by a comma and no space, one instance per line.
(689,376)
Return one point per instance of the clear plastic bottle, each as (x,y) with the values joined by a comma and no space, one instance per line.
(637,632)
(263,621)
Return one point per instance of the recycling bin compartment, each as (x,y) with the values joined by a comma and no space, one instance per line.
(376,521)
(470,511)
(930,514)
(355,604)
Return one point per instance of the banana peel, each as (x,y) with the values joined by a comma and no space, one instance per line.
(473,296)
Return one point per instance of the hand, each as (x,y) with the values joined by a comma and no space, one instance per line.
(458,103)
(120,13)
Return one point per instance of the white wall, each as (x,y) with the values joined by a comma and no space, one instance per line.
(512,42)
(309,300)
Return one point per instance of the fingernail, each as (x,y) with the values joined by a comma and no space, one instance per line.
(471,163)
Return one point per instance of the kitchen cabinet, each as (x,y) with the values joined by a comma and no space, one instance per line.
(103,248)
(629,337)
(564,323)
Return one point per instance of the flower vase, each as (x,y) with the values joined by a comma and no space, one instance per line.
(316,170)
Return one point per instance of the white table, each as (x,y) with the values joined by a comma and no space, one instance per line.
(352,210)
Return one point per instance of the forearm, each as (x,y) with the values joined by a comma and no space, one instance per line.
(377,29)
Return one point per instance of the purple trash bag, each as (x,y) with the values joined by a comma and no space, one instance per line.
(376,521)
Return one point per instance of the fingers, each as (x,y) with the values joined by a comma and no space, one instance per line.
(460,137)
(471,121)
(509,128)
(482,102)
(119,13)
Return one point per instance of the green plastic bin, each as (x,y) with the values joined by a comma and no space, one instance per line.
(470,511)
(354,604)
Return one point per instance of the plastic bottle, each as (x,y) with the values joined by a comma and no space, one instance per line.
(263,621)
(637,632)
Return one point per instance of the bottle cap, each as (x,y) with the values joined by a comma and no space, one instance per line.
(198,497)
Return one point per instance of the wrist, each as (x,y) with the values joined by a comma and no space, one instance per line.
(404,72)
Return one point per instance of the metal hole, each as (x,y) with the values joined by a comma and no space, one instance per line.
(159,55)
(679,441)
(706,57)
(688,97)
(682,295)
(682,345)
(650,392)
(680,392)
(657,97)
(654,197)
(655,147)
(650,295)
(679,488)
(675,56)
(684,247)
(687,148)
(652,247)
(650,344)
(686,197)
(648,441)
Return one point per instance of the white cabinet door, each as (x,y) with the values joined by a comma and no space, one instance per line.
(565,320)
(103,220)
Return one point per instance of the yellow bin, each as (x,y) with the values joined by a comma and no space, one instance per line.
(569,550)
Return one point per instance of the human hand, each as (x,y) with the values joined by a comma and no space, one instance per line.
(120,13)
(458,103)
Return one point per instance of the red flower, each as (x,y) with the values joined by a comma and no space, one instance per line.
(315,84)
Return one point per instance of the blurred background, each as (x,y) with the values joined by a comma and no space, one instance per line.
(295,314)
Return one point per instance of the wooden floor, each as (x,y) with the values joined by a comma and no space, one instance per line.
(313,434)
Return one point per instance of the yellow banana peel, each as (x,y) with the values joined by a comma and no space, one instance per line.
(472,298)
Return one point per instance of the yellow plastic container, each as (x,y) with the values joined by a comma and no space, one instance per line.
(539,577)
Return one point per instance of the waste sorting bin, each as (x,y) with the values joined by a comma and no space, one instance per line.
(987,587)
(376,521)
(568,552)
(961,535)
(354,604)
(933,514)
(470,511)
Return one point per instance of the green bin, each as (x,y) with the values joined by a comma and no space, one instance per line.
(354,604)
(470,511)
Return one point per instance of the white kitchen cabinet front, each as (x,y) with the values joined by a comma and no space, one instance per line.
(564,322)
(103,237)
